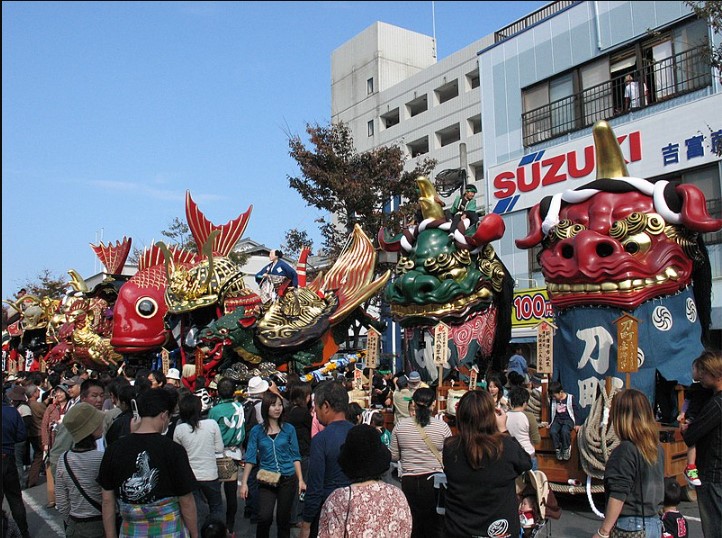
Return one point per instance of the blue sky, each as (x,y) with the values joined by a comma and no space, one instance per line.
(112,110)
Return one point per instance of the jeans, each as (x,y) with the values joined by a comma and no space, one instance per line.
(709,501)
(209,491)
(421,496)
(297,508)
(534,463)
(268,497)
(653,525)
(11,489)
(561,433)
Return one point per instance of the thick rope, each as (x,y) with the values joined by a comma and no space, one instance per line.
(574,490)
(596,438)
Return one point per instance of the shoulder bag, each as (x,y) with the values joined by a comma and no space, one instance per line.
(428,442)
(269,478)
(95,504)
(227,469)
(439,478)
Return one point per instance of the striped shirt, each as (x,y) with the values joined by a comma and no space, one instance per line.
(409,447)
(68,499)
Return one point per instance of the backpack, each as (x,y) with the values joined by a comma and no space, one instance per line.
(250,420)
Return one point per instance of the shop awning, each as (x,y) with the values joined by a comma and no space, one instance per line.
(523,340)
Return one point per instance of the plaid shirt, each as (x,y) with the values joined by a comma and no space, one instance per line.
(705,432)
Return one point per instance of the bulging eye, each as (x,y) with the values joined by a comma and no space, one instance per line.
(146,307)
(637,244)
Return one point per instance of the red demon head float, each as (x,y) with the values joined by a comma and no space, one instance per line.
(619,240)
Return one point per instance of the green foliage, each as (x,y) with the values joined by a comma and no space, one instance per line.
(179,234)
(239,258)
(46,284)
(295,241)
(353,187)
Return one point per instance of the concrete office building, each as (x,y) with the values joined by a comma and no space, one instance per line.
(523,100)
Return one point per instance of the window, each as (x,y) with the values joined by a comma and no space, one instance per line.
(474,124)
(390,119)
(667,65)
(370,127)
(477,171)
(418,147)
(417,106)
(448,135)
(472,79)
(447,92)
(370,86)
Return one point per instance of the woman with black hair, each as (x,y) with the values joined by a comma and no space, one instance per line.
(273,446)
(416,443)
(202,440)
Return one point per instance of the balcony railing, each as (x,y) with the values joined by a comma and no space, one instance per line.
(679,74)
(531,19)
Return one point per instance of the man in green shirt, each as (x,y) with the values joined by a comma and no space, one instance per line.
(464,206)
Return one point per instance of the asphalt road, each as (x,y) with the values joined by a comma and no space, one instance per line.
(577,521)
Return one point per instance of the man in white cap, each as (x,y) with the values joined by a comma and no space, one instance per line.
(173,377)
(73,385)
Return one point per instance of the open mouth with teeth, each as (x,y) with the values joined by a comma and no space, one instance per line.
(616,293)
(456,309)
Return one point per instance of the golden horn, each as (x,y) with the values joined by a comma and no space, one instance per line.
(78,282)
(430,209)
(610,161)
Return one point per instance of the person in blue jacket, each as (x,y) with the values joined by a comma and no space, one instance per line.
(13,432)
(275,277)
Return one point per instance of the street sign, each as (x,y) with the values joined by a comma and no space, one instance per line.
(627,343)
(545,347)
(372,348)
(441,344)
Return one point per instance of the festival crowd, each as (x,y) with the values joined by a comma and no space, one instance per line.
(135,452)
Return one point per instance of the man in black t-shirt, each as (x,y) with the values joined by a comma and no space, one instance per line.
(150,476)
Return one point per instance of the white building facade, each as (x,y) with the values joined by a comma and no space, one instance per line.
(515,109)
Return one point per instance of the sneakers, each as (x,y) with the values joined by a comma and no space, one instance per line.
(568,453)
(559,454)
(692,476)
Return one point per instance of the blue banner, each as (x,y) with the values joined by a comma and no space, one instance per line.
(585,347)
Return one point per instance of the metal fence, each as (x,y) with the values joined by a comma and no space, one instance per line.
(531,19)
(659,81)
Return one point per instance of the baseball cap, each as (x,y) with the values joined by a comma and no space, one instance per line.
(75,380)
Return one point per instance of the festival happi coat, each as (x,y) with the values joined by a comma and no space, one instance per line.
(619,245)
(451,277)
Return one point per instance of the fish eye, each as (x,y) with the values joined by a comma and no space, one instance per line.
(146,307)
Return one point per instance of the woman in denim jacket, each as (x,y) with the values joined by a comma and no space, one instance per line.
(273,446)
